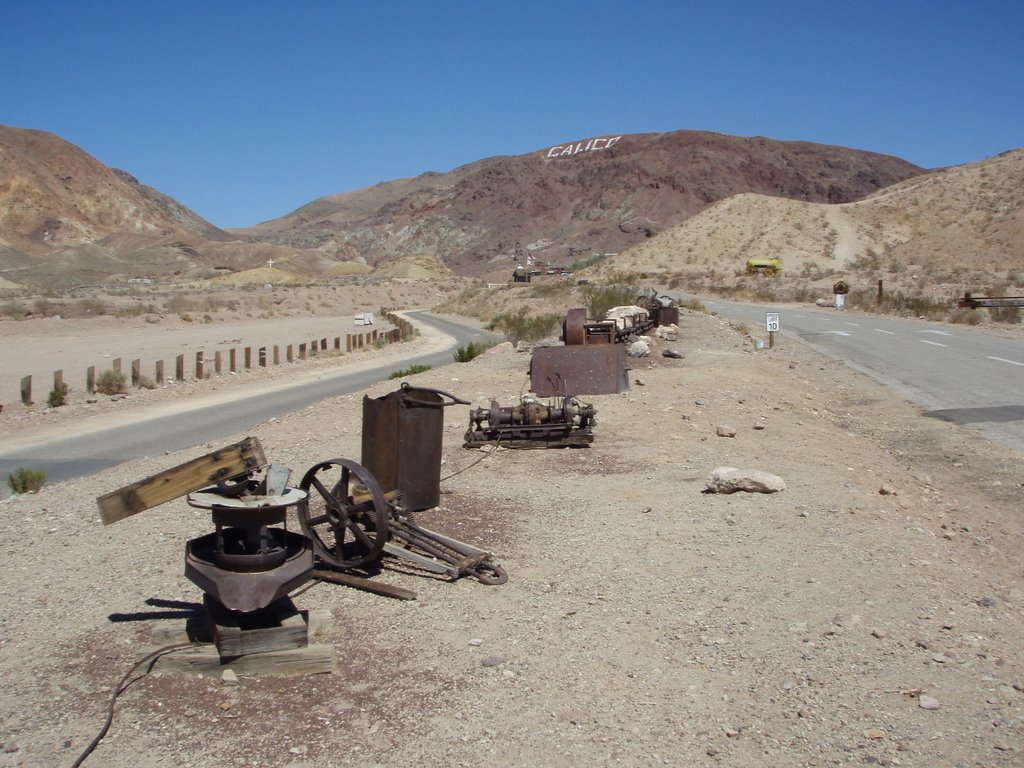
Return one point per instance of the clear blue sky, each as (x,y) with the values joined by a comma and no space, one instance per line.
(244,111)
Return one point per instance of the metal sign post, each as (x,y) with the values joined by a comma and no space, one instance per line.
(771,324)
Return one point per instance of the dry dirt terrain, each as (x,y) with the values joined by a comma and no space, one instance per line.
(871,613)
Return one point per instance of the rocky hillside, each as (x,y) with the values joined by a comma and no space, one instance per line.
(68,219)
(565,202)
(968,217)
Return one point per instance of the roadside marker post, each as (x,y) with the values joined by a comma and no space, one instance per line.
(771,324)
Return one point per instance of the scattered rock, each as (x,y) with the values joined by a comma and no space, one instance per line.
(493,661)
(675,354)
(228,677)
(725,431)
(874,733)
(638,349)
(887,490)
(928,702)
(731,480)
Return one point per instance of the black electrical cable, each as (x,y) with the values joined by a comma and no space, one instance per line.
(122,686)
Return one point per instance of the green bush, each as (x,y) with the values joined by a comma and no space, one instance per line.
(470,351)
(521,326)
(24,480)
(412,369)
(600,298)
(110,382)
(58,396)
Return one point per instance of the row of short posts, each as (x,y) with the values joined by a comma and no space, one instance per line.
(202,366)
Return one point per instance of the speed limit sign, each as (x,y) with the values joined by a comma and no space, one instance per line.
(771,322)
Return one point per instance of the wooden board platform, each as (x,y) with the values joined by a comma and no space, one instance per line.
(296,645)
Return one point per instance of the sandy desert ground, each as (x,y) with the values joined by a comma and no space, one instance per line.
(869,614)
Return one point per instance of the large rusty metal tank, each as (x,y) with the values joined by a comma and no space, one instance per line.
(402,434)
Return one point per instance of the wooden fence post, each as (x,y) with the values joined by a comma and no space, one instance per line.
(136,373)
(302,351)
(179,368)
(216,362)
(248,358)
(116,365)
(90,379)
(58,382)
(277,355)
(291,356)
(323,345)
(199,365)
(312,347)
(262,355)
(159,372)
(26,390)
(337,343)
(348,342)
(233,360)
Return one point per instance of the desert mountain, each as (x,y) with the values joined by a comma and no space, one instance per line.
(568,201)
(66,219)
(967,217)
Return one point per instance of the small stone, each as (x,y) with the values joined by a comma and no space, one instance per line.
(646,510)
(494,661)
(228,677)
(10,747)
(476,641)
(887,490)
(986,602)
(928,702)
(639,382)
(225,705)
(759,427)
(725,431)
(880,634)
(874,733)
(804,713)
(675,354)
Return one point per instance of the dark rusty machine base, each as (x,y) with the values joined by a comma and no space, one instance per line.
(588,369)
(531,424)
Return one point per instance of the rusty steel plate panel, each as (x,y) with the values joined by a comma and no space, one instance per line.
(591,369)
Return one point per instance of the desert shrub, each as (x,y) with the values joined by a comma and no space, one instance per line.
(550,290)
(411,370)
(110,382)
(600,298)
(44,307)
(695,304)
(472,350)
(177,304)
(965,316)
(146,383)
(1005,314)
(14,309)
(58,396)
(25,480)
(521,326)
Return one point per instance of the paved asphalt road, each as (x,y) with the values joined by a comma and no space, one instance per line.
(85,454)
(955,373)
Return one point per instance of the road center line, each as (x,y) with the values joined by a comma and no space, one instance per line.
(933,343)
(1004,360)
(855,325)
(888,332)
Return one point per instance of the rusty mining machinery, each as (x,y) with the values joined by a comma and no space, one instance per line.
(531,424)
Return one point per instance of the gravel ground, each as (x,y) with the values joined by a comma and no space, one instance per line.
(869,614)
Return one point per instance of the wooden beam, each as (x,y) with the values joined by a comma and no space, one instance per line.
(367,585)
(231,461)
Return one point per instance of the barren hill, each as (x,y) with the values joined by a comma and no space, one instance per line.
(67,219)
(964,217)
(568,201)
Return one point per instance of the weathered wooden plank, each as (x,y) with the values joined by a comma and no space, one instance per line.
(162,487)
(338,577)
(205,660)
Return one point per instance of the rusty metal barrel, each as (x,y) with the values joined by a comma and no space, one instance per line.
(402,434)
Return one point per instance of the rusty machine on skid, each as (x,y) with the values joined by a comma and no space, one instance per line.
(531,424)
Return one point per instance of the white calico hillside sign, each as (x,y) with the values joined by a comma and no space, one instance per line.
(582,146)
